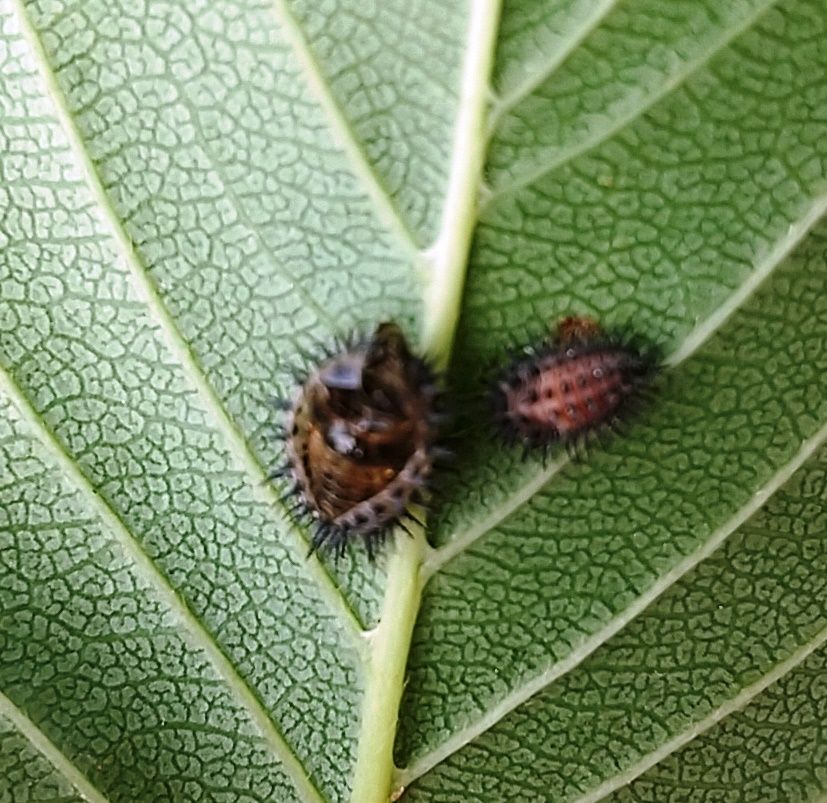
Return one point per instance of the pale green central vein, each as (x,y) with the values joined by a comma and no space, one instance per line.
(448,255)
(391,640)
(49,751)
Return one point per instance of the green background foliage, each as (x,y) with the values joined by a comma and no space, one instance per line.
(195,196)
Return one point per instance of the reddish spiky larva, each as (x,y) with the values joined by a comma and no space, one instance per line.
(573,385)
(360,435)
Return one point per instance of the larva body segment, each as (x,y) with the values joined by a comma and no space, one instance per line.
(571,386)
(360,438)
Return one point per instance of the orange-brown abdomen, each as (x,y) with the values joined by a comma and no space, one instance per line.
(360,438)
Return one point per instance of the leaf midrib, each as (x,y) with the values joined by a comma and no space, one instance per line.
(390,642)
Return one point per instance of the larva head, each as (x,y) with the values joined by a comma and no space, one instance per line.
(574,328)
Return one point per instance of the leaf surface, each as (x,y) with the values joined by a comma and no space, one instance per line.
(196,197)
(752,751)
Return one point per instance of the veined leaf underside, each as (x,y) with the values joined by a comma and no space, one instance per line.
(195,197)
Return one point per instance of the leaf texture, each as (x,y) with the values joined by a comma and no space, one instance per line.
(197,197)
(772,750)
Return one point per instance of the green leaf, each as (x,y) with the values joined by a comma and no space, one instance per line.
(709,645)
(776,743)
(196,197)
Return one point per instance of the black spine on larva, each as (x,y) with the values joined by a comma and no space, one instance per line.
(360,438)
(574,386)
